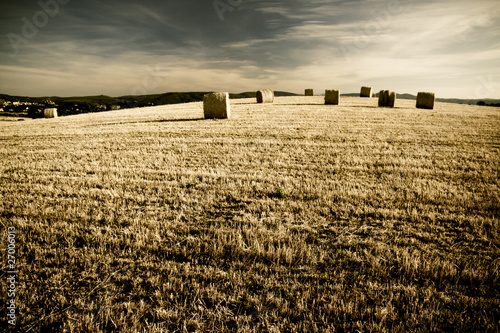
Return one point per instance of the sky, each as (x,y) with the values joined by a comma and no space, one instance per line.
(117,48)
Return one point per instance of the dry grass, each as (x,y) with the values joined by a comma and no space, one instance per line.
(290,217)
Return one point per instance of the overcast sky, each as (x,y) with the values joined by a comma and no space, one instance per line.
(92,47)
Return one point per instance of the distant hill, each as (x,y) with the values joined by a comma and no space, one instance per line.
(160,99)
(156,99)
(486,102)
(401,96)
(84,99)
(179,97)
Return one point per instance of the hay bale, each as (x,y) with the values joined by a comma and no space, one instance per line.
(383,97)
(425,100)
(386,98)
(392,98)
(216,105)
(265,96)
(366,92)
(332,97)
(309,92)
(50,113)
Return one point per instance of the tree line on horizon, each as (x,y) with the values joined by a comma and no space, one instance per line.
(67,106)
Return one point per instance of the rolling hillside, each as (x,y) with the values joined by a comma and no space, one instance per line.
(289,217)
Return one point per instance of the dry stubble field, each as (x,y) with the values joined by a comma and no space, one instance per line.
(291,217)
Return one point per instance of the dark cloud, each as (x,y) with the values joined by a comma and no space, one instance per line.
(279,43)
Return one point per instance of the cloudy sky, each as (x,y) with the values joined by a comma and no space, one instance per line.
(92,47)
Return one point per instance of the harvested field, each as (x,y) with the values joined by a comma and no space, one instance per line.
(288,217)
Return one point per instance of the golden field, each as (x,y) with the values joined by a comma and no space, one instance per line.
(288,217)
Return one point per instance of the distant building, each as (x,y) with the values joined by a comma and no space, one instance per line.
(115,107)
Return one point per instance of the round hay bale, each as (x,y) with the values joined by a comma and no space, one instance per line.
(366,92)
(383,98)
(332,97)
(216,105)
(309,92)
(265,96)
(386,98)
(425,100)
(392,99)
(50,113)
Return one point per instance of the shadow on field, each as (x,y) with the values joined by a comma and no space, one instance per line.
(341,105)
(148,121)
(295,104)
(170,120)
